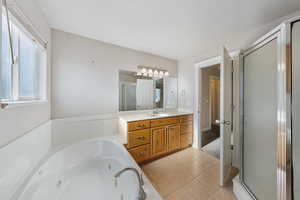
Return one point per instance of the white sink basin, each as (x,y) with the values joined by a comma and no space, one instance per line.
(160,115)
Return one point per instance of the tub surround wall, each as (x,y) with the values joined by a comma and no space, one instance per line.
(17,121)
(19,158)
(71,130)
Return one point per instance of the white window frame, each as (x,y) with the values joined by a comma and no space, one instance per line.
(25,25)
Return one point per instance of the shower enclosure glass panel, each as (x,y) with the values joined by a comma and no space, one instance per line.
(260,121)
(296,107)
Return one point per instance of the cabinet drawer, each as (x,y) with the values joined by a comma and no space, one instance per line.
(186,140)
(137,138)
(186,118)
(186,127)
(164,121)
(132,126)
(140,153)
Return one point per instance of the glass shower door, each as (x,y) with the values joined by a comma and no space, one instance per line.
(263,117)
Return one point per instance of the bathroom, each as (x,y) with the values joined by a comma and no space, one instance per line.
(104,100)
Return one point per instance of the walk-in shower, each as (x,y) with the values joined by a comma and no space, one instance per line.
(270,113)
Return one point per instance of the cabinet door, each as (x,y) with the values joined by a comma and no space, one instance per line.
(173,137)
(159,141)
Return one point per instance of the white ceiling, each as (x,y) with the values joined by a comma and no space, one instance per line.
(172,28)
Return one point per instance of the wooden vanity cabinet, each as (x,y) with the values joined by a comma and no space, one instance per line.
(150,139)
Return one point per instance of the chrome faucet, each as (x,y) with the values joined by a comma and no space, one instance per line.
(141,193)
(155,111)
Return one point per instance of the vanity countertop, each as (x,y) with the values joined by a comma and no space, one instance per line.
(146,116)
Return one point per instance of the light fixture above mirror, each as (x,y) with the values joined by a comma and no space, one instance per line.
(152,72)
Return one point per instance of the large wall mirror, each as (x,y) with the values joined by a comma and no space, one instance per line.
(144,93)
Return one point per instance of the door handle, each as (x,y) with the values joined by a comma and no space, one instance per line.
(227,123)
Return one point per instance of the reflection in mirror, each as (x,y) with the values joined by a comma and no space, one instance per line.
(170,93)
(138,92)
(135,92)
(159,93)
(127,91)
(144,94)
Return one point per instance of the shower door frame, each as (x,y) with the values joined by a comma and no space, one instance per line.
(283,147)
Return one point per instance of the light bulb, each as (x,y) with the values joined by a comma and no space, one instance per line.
(161,74)
(167,73)
(144,70)
(155,73)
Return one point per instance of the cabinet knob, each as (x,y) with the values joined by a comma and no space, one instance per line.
(141,138)
(142,153)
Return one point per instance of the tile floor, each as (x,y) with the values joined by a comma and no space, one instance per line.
(188,175)
(213,148)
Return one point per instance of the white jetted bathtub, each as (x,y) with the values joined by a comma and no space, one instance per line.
(85,171)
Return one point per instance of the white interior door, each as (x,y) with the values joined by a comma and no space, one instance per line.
(225,114)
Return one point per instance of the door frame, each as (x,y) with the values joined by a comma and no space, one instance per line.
(198,67)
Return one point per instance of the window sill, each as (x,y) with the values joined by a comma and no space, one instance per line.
(21,103)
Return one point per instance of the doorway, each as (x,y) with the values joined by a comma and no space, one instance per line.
(227,146)
(210,106)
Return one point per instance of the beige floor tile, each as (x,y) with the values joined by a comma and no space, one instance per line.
(200,190)
(181,194)
(188,175)
(223,194)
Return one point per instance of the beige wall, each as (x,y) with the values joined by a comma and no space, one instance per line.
(206,73)
(85,74)
(186,87)
(17,121)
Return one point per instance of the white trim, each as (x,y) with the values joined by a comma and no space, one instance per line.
(106,116)
(215,60)
(197,97)
(209,62)
(15,104)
